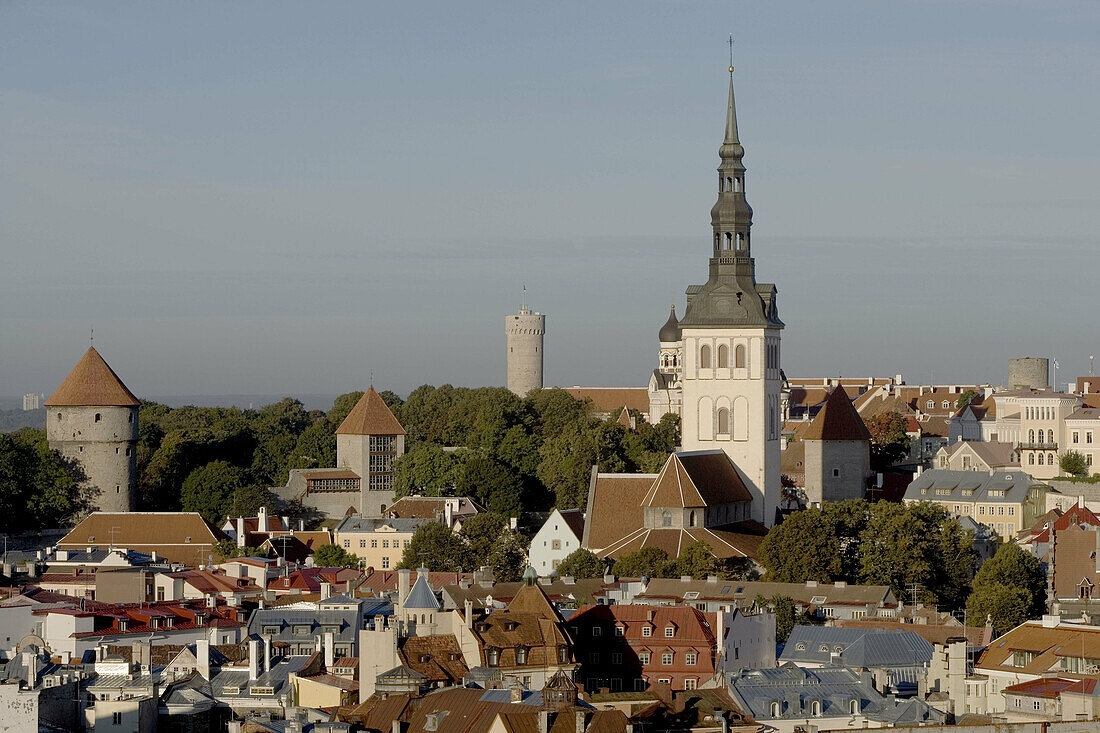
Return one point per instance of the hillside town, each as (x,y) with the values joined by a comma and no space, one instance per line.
(726,548)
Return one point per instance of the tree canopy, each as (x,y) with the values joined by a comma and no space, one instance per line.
(889,439)
(1074,463)
(333,556)
(1009,589)
(581,563)
(39,488)
(486,539)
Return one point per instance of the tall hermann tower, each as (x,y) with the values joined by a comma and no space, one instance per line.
(525,331)
(730,340)
(93,418)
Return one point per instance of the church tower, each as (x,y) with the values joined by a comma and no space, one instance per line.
(730,339)
(93,418)
(525,331)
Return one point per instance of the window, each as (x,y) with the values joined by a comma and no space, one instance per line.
(853,707)
(739,356)
(1075,434)
(647,631)
(723,356)
(619,631)
(666,658)
(347,543)
(836,472)
(616,657)
(666,520)
(596,631)
(723,421)
(385,563)
(374,543)
(690,658)
(774,709)
(643,657)
(690,683)
(704,357)
(815,708)
(555,544)
(670,631)
(362,543)
(98,417)
(116,718)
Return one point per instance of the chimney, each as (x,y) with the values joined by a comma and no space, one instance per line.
(395,726)
(685,578)
(301,525)
(544,721)
(261,516)
(608,578)
(811,583)
(330,650)
(469,608)
(253,660)
(515,692)
(267,652)
(448,514)
(240,531)
(403,582)
(580,722)
(202,657)
(326,589)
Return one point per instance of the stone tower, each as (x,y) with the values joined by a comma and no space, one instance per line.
(730,340)
(837,452)
(525,330)
(93,418)
(368,442)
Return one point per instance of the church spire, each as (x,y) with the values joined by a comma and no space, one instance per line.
(731,216)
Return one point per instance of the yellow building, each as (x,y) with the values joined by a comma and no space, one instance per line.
(378,541)
(1004,501)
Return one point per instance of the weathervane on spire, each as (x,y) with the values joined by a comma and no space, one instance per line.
(91,334)
(731,53)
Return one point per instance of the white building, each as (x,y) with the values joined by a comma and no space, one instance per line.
(559,536)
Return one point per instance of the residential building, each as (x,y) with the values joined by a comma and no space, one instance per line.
(631,647)
(92,418)
(1082,431)
(449,510)
(790,699)
(898,659)
(988,456)
(378,542)
(331,631)
(1006,501)
(561,534)
(203,584)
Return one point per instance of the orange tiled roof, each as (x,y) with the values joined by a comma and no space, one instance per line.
(697,479)
(837,420)
(370,416)
(614,507)
(92,382)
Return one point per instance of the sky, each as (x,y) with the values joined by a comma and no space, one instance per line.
(284,198)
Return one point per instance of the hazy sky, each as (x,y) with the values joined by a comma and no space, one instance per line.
(279,197)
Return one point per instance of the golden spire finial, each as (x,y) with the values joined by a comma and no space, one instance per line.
(731,53)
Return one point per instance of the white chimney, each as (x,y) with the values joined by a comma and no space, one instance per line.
(261,515)
(253,660)
(448,514)
(326,589)
(403,581)
(202,657)
(267,652)
(469,608)
(330,650)
(240,531)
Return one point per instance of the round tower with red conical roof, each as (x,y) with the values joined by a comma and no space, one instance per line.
(93,418)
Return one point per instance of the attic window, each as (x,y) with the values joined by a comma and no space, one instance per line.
(800,647)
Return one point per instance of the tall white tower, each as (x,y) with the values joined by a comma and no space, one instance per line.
(525,331)
(730,339)
(93,419)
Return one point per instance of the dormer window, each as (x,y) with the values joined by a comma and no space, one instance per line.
(670,631)
(521,654)
(492,657)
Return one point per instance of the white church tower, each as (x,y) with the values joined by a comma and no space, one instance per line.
(525,333)
(730,339)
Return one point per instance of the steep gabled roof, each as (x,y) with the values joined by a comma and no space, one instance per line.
(421,596)
(532,599)
(92,383)
(697,479)
(370,416)
(837,420)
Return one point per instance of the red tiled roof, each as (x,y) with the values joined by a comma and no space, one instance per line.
(610,400)
(370,416)
(837,420)
(91,382)
(614,507)
(1044,687)
(697,479)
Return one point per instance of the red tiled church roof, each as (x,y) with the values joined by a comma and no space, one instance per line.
(370,416)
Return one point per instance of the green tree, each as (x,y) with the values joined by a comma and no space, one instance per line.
(648,562)
(426,469)
(341,406)
(1073,463)
(276,428)
(331,556)
(246,501)
(785,613)
(228,549)
(918,544)
(556,409)
(209,490)
(803,547)
(581,563)
(965,399)
(566,460)
(695,560)
(435,547)
(1014,567)
(846,521)
(491,483)
(889,440)
(39,488)
(508,557)
(314,448)
(1005,606)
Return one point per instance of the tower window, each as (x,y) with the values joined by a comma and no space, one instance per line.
(740,240)
(59,417)
(98,417)
(724,421)
(729,240)
(704,357)
(739,356)
(666,520)
(729,184)
(130,417)
(723,356)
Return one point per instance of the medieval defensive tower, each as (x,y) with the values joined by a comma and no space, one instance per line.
(525,330)
(93,418)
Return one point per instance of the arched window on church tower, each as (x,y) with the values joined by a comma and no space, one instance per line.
(704,357)
(724,421)
(739,356)
(723,356)
(693,519)
(666,520)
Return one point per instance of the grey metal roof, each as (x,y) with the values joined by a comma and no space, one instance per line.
(344,624)
(869,648)
(940,484)
(371,524)
(421,595)
(796,689)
